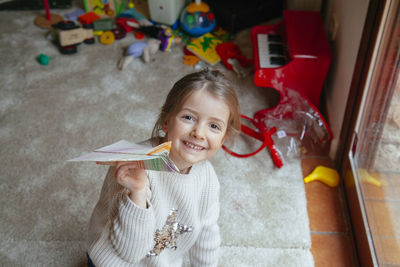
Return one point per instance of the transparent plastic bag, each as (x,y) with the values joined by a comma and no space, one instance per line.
(286,128)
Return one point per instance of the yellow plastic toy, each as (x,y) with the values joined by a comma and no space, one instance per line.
(107,38)
(198,6)
(368,178)
(324,174)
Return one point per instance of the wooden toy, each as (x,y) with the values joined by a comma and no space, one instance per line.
(45,21)
(69,35)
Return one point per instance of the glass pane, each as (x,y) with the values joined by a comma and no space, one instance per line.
(376,158)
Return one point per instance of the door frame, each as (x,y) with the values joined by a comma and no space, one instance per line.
(369,63)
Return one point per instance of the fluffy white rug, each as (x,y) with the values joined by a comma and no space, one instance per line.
(49,114)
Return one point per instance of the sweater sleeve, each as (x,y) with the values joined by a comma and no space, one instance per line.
(131,230)
(120,230)
(205,251)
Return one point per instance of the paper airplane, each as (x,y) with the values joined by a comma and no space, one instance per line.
(151,158)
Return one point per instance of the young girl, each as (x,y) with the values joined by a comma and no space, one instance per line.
(153,218)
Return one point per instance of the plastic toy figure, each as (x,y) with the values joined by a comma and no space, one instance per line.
(137,49)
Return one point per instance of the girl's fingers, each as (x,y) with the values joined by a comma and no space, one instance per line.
(116,163)
(131,164)
(130,175)
(110,163)
(123,167)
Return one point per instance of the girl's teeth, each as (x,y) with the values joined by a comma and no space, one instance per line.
(193,146)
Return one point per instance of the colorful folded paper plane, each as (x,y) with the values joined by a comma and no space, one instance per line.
(151,158)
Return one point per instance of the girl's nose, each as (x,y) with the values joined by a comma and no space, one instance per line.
(199,131)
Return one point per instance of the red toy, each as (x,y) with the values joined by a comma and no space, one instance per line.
(229,50)
(125,23)
(297,73)
(264,135)
(308,54)
(88,18)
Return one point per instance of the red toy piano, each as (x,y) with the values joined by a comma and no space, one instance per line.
(293,54)
(292,57)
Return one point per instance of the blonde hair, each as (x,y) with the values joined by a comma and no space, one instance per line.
(216,84)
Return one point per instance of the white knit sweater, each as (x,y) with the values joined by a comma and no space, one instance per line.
(121,233)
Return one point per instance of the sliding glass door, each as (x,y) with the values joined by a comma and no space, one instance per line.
(371,167)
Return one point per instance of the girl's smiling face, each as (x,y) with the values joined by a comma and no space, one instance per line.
(197,130)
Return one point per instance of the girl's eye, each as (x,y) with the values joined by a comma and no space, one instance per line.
(188,117)
(215,127)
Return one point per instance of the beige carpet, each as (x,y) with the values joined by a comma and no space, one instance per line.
(49,114)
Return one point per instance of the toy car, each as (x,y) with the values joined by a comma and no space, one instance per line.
(68,36)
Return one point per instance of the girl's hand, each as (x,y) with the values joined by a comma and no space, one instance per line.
(131,175)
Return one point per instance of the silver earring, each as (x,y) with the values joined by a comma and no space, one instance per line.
(162,133)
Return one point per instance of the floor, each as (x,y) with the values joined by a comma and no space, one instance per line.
(331,237)
(382,204)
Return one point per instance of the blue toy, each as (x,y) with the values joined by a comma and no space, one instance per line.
(197,19)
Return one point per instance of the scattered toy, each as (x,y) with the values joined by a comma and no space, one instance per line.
(205,48)
(233,59)
(168,39)
(104,8)
(139,49)
(133,13)
(190,60)
(153,31)
(43,59)
(74,15)
(222,34)
(139,35)
(197,19)
(45,21)
(68,35)
(88,18)
(127,23)
(326,175)
(119,33)
(107,38)
(103,24)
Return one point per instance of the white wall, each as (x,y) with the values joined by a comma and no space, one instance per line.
(350,17)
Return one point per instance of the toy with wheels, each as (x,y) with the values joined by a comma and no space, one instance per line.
(197,19)
(68,35)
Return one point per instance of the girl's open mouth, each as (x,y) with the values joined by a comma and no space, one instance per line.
(193,146)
